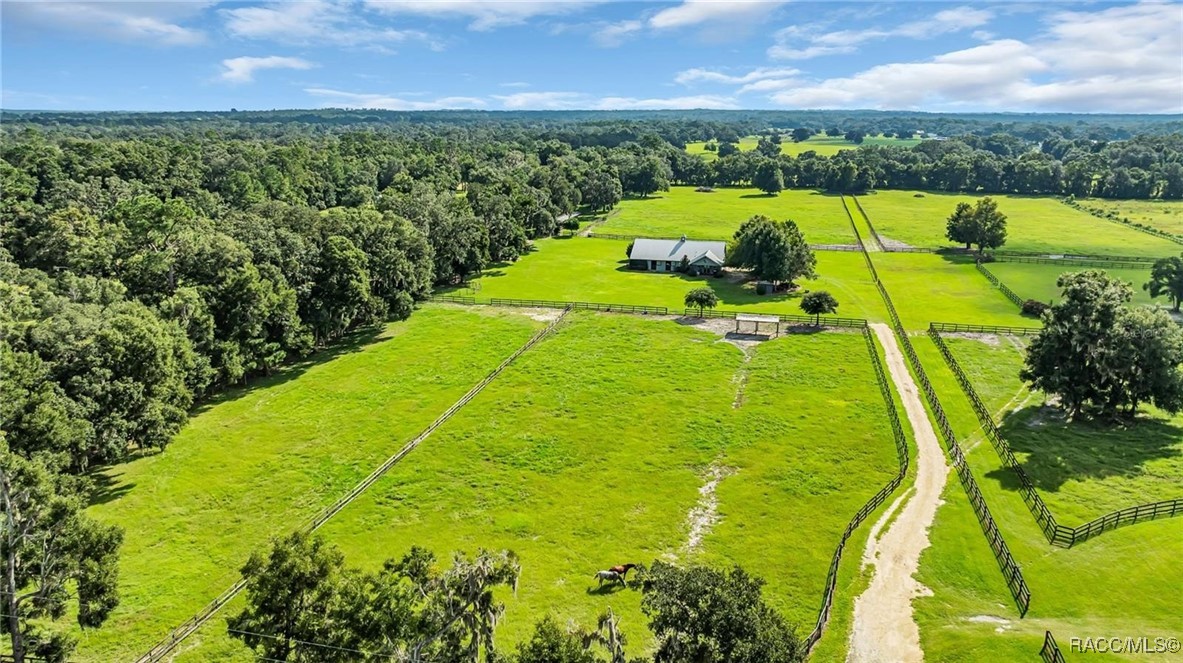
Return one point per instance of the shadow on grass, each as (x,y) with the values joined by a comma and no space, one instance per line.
(610,588)
(1054,451)
(106,488)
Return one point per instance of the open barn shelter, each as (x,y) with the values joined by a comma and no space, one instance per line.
(756,321)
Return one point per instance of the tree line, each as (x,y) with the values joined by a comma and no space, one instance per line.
(304,604)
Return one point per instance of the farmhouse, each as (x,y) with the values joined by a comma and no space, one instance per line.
(665,255)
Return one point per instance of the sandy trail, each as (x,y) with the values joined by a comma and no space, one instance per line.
(884,629)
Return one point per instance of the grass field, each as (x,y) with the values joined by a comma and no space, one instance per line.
(547,462)
(926,287)
(718,214)
(596,270)
(261,461)
(1164,215)
(1114,584)
(1082,469)
(823,145)
(1032,281)
(1040,225)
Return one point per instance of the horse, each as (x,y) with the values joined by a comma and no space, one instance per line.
(623,569)
(610,576)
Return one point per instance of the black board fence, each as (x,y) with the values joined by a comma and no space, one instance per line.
(961,328)
(1115,262)
(556,304)
(1056,534)
(1002,287)
(1011,571)
(1050,653)
(901,448)
(807,320)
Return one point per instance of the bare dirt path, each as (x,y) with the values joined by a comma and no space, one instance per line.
(884,629)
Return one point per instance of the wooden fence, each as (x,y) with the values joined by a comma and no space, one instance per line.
(1113,219)
(1011,571)
(823,321)
(556,304)
(1050,653)
(161,649)
(1056,534)
(1010,294)
(901,448)
(959,328)
(1100,262)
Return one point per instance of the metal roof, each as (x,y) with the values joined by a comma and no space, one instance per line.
(674,249)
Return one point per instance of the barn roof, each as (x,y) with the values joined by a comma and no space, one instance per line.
(674,249)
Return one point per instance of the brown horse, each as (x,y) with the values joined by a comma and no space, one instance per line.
(623,569)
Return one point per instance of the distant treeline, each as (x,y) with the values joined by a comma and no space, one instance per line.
(148,261)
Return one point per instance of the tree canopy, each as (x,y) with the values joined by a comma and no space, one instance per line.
(818,303)
(981,224)
(773,250)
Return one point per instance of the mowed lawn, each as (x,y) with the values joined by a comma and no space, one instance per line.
(1038,225)
(719,213)
(1082,469)
(823,145)
(262,461)
(1112,584)
(592,448)
(1034,281)
(927,287)
(1164,215)
(596,270)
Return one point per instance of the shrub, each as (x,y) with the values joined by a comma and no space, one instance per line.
(1034,307)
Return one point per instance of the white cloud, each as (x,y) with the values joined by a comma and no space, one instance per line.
(582,101)
(390,102)
(695,12)
(242,70)
(803,42)
(1121,59)
(710,76)
(313,22)
(484,14)
(156,22)
(516,84)
(615,34)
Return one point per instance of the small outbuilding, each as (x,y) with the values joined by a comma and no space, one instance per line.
(665,255)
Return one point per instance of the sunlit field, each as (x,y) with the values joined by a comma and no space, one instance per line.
(1164,215)
(1037,225)
(821,144)
(719,213)
(1035,281)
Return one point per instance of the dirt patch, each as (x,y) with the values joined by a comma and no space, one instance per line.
(1002,623)
(884,629)
(991,340)
(889,243)
(541,314)
(705,514)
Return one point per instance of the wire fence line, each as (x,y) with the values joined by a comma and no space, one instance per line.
(178,634)
(1056,534)
(901,447)
(1011,571)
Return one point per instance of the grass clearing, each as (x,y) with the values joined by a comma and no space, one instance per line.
(596,270)
(821,144)
(719,213)
(1035,281)
(547,462)
(1040,225)
(1164,215)
(260,461)
(1114,584)
(1082,469)
(927,287)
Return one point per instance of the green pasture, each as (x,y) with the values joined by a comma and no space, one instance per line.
(596,270)
(1038,225)
(821,144)
(261,461)
(1164,215)
(1118,583)
(719,213)
(547,462)
(1083,469)
(929,287)
(1036,281)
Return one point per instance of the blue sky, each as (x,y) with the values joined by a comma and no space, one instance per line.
(533,54)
